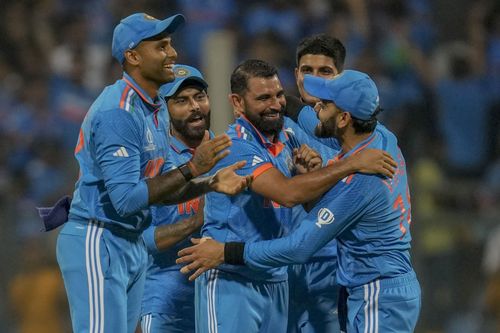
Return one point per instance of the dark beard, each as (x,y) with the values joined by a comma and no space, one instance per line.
(188,132)
(327,129)
(266,126)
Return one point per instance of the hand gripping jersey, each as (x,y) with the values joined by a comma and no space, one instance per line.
(123,140)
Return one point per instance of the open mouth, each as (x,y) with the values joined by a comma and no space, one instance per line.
(196,120)
(271,115)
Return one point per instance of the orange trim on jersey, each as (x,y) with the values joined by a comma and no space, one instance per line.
(349,179)
(79,145)
(275,148)
(139,92)
(260,170)
(124,96)
(363,146)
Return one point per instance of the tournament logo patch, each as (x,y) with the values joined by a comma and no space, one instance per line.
(181,72)
(325,216)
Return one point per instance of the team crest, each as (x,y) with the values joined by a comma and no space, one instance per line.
(181,72)
(325,216)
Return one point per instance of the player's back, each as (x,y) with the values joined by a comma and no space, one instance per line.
(377,244)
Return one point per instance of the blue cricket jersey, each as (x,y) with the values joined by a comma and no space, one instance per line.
(248,216)
(123,140)
(167,290)
(369,215)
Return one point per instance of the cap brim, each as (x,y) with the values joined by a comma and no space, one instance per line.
(176,86)
(168,25)
(316,86)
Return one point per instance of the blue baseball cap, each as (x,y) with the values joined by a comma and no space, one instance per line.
(182,73)
(135,28)
(352,91)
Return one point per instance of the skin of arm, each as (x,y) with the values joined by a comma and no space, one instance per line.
(168,235)
(289,192)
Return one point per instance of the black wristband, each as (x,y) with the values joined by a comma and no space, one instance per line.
(233,253)
(186,172)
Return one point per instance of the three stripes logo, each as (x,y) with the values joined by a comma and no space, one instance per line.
(122,152)
(256,160)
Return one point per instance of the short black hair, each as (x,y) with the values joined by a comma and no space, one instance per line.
(248,69)
(322,44)
(366,126)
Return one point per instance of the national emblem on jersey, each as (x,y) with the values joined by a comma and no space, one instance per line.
(325,216)
(149,138)
(242,133)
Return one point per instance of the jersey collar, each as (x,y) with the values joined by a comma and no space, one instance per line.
(274,148)
(154,105)
(359,147)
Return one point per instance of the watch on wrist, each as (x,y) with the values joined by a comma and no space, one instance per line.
(186,171)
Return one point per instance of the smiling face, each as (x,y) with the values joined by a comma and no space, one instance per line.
(263,103)
(317,65)
(189,113)
(155,59)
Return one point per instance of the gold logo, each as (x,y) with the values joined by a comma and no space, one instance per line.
(181,72)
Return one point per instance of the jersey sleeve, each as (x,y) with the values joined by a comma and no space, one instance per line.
(256,160)
(338,209)
(117,147)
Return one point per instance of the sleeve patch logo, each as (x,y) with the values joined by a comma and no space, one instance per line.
(325,216)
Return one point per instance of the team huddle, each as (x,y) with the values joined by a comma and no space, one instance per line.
(297,219)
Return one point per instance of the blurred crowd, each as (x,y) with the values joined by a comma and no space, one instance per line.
(436,63)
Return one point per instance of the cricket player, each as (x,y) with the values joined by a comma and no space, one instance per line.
(234,298)
(168,301)
(122,149)
(369,215)
(313,286)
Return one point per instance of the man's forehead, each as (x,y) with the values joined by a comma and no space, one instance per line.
(261,83)
(188,90)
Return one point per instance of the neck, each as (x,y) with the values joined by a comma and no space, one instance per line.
(351,140)
(149,87)
(191,143)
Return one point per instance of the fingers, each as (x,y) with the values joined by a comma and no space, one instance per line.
(388,159)
(220,156)
(198,272)
(237,165)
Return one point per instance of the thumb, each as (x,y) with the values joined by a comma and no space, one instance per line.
(195,240)
(206,137)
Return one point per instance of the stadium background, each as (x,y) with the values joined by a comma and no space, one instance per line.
(437,65)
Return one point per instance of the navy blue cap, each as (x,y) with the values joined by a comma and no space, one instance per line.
(182,73)
(352,91)
(135,28)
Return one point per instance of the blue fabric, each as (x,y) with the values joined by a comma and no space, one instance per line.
(182,73)
(228,303)
(249,216)
(56,215)
(352,91)
(387,305)
(139,26)
(168,323)
(123,140)
(104,284)
(167,290)
(368,215)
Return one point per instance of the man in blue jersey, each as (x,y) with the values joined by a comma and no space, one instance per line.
(234,298)
(313,287)
(168,301)
(369,216)
(122,149)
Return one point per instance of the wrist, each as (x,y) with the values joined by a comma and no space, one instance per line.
(233,253)
(185,170)
(193,168)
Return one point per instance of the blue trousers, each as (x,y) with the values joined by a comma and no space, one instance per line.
(228,303)
(104,274)
(381,306)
